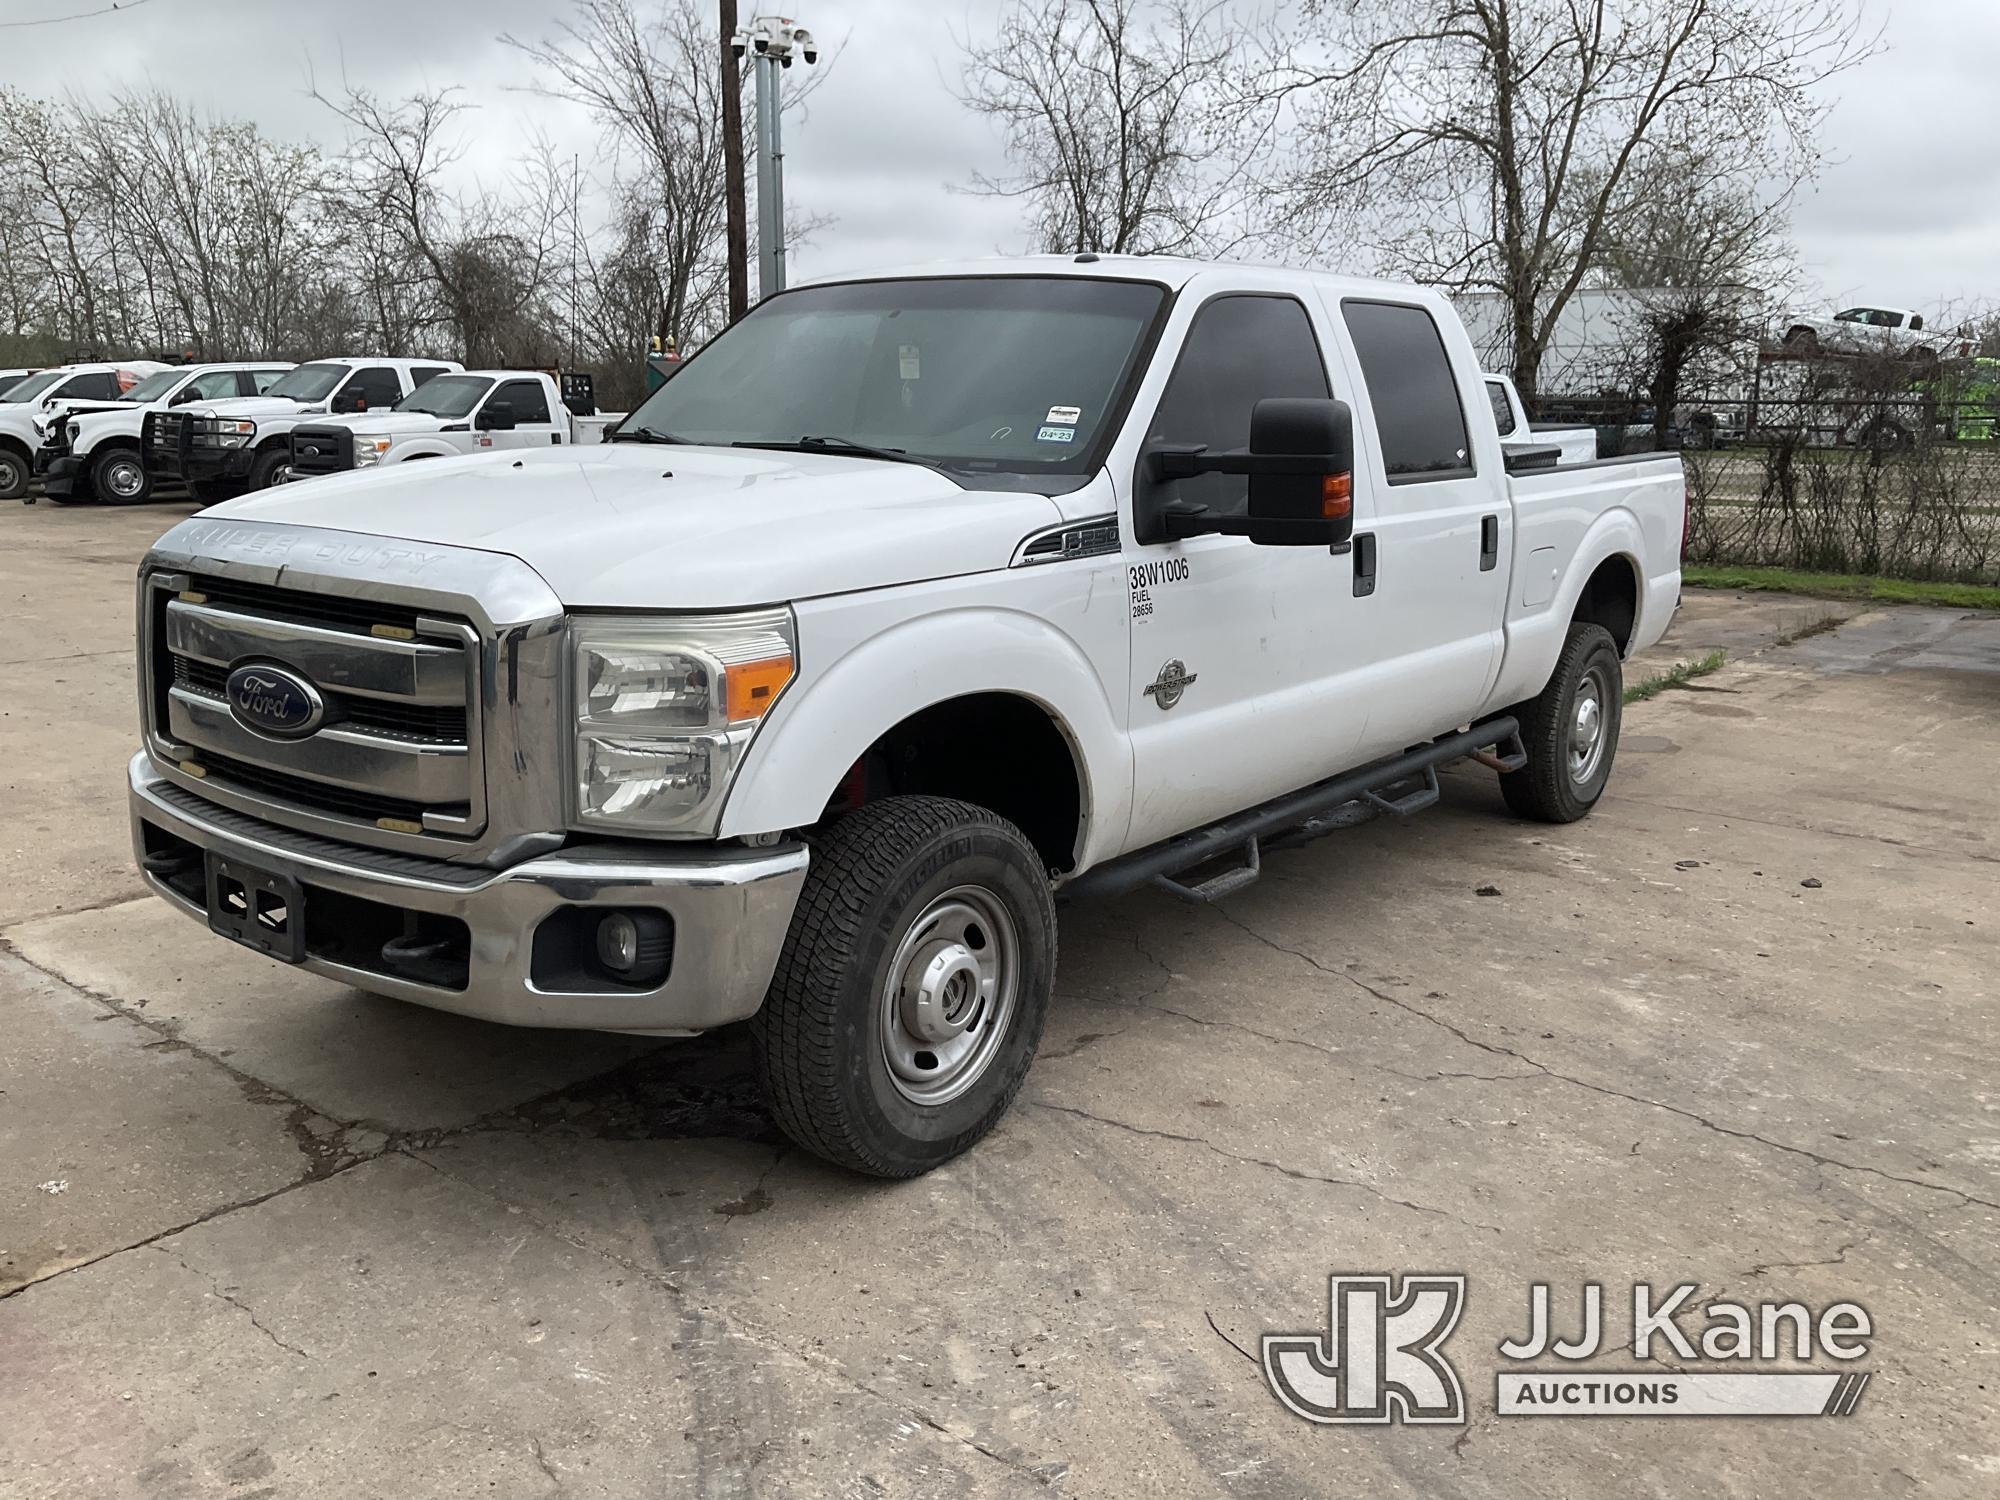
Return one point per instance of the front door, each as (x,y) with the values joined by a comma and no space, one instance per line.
(1239,651)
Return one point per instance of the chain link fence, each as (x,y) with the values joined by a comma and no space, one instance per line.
(1925,507)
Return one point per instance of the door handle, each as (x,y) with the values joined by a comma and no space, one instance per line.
(1489,543)
(1364,564)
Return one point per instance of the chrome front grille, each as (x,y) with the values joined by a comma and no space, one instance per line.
(398,749)
(442,670)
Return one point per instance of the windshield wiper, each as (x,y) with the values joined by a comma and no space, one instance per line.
(812,444)
(642,435)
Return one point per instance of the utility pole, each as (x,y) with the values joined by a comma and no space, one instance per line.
(774,42)
(732,165)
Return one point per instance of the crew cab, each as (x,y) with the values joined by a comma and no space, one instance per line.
(91,450)
(1569,445)
(224,447)
(30,403)
(472,411)
(908,603)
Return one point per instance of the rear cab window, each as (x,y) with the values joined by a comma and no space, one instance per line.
(1503,409)
(1412,390)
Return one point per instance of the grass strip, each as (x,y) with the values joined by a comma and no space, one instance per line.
(1680,674)
(1844,586)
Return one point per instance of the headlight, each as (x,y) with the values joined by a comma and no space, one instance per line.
(370,450)
(225,432)
(665,710)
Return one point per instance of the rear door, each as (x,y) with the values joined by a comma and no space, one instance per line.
(1443,528)
(1241,654)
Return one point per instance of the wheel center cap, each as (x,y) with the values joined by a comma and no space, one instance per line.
(941,992)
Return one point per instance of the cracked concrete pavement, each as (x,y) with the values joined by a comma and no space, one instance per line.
(261,1235)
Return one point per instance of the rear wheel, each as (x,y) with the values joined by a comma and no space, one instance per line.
(911,994)
(13,474)
(1571,731)
(118,477)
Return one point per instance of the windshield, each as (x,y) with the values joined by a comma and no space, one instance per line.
(155,386)
(447,395)
(33,386)
(1009,374)
(308,382)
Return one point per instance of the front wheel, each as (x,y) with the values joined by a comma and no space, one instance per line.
(914,982)
(1570,730)
(13,474)
(264,468)
(119,477)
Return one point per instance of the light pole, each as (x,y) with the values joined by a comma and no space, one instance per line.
(773,42)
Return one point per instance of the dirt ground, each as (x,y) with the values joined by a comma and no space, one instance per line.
(261,1235)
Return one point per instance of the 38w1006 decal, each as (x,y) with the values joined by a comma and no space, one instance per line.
(1145,577)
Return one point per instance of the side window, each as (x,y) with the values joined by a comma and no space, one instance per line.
(526,397)
(97,385)
(377,385)
(1240,349)
(213,385)
(1503,409)
(420,373)
(262,380)
(1916,325)
(1410,386)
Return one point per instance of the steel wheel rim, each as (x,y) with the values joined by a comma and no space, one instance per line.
(948,1000)
(124,478)
(10,471)
(1588,724)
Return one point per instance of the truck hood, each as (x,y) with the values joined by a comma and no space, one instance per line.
(254,406)
(634,526)
(387,423)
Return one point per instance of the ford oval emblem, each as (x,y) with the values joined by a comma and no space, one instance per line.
(272,701)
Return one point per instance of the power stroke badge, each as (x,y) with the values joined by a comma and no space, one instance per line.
(1381,1358)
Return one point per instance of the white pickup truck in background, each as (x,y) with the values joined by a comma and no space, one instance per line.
(1569,445)
(905,604)
(32,401)
(473,411)
(220,448)
(91,450)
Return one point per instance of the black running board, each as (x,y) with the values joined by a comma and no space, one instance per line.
(1241,833)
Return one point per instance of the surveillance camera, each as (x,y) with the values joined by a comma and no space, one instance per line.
(736,48)
(803,40)
(763,45)
(812,54)
(785,61)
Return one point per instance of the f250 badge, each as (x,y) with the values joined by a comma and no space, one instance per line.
(1174,679)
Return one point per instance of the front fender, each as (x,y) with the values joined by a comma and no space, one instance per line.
(420,448)
(825,722)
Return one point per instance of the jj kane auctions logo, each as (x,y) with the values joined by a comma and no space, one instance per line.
(1381,1358)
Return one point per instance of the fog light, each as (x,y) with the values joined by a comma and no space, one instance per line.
(635,946)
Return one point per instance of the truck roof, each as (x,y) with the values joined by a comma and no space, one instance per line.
(1171,271)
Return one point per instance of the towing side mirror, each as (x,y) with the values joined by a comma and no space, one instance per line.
(1303,492)
(496,416)
(349,400)
(1300,463)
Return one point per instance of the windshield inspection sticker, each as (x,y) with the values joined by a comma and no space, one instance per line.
(1064,416)
(1056,435)
(906,358)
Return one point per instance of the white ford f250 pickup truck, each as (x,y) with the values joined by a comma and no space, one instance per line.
(474,411)
(907,603)
(93,451)
(222,448)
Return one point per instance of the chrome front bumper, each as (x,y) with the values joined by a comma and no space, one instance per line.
(730,910)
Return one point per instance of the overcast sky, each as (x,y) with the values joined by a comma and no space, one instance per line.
(1909,212)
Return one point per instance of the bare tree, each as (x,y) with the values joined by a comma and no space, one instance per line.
(1495,144)
(1121,124)
(654,87)
(1702,258)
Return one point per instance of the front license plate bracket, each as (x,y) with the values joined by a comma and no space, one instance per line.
(257,908)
